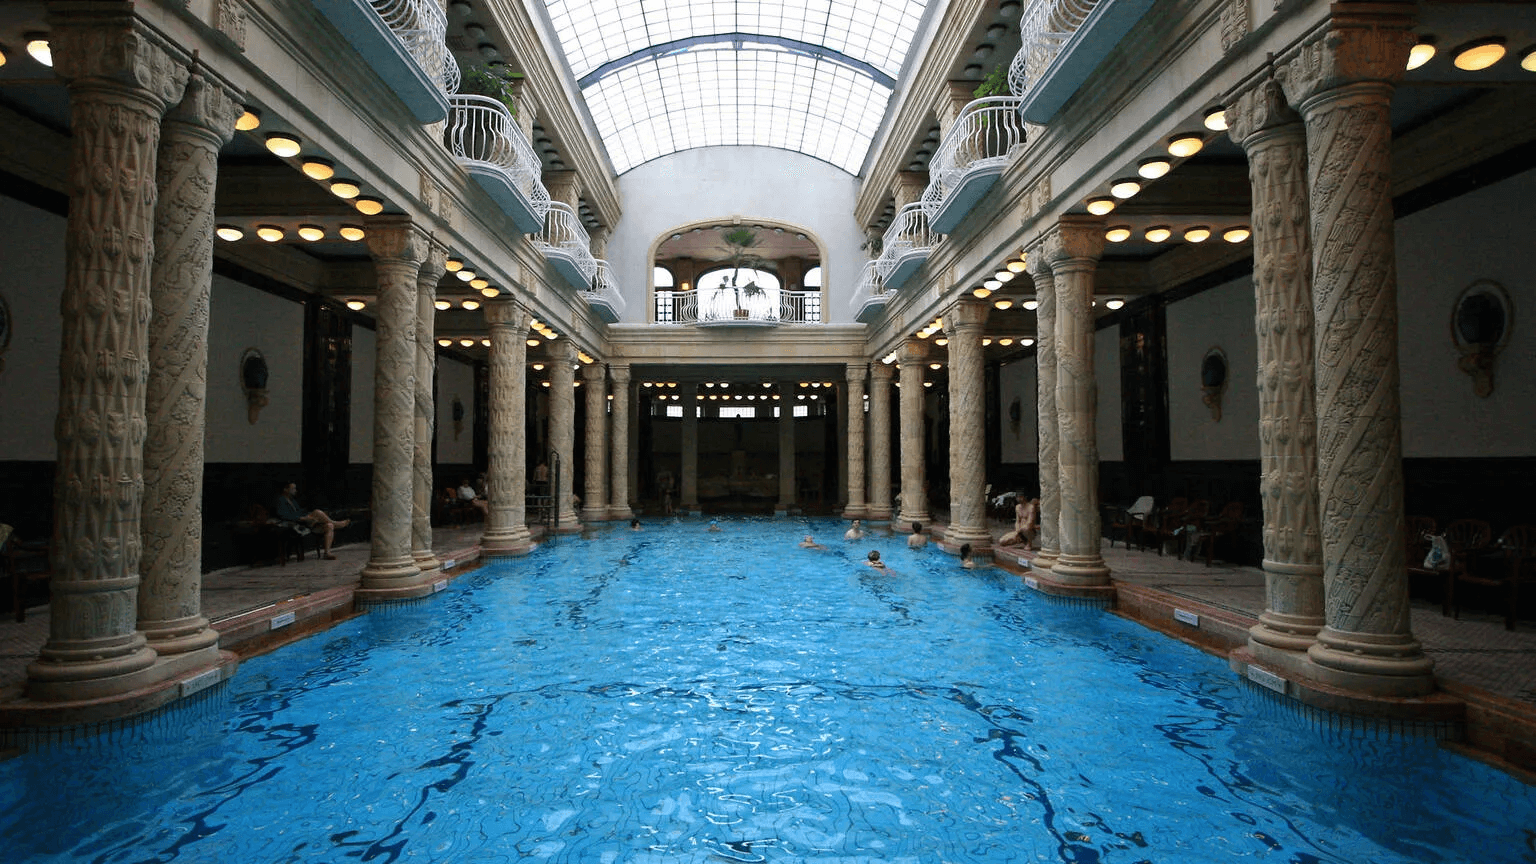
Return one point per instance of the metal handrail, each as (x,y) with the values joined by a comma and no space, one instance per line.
(1044,27)
(563,234)
(774,306)
(604,287)
(870,284)
(481,129)
(984,133)
(422,28)
(908,234)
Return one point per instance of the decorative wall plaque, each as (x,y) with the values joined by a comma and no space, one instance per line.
(253,382)
(1213,380)
(1481,321)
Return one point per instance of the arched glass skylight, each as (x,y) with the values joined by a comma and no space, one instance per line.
(813,76)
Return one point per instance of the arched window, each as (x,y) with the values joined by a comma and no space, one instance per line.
(723,291)
(813,277)
(662,277)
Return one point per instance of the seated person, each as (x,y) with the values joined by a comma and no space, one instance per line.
(918,539)
(288,510)
(854,532)
(468,495)
(809,543)
(874,560)
(1026,524)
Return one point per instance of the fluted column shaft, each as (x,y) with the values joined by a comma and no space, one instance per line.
(856,508)
(618,487)
(911,358)
(880,442)
(399,249)
(170,596)
(426,406)
(786,446)
(1074,258)
(1045,405)
(121,81)
(1341,80)
(506,528)
(963,324)
(1275,141)
(689,482)
(594,505)
(562,429)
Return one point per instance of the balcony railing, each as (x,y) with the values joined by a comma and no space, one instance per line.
(603,295)
(1044,27)
(404,42)
(1064,41)
(970,159)
(722,307)
(907,244)
(485,139)
(869,296)
(565,243)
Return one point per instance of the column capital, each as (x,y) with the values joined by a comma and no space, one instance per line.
(1259,108)
(1040,253)
(563,186)
(107,42)
(619,372)
(908,187)
(435,260)
(952,98)
(209,106)
(881,371)
(503,312)
(967,314)
(396,239)
(563,351)
(593,372)
(1359,43)
(912,351)
(856,372)
(1078,238)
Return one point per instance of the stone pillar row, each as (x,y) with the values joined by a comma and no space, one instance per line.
(910,358)
(594,504)
(856,508)
(426,405)
(506,531)
(963,324)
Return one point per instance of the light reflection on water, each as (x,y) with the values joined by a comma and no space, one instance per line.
(676,695)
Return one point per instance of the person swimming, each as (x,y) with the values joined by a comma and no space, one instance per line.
(965,557)
(874,560)
(853,532)
(634,524)
(918,539)
(810,543)
(714,524)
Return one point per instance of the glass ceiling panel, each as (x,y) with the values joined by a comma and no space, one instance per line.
(812,76)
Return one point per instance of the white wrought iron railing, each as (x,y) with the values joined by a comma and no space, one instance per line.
(605,289)
(980,138)
(1044,27)
(723,306)
(907,235)
(422,28)
(481,129)
(564,235)
(870,283)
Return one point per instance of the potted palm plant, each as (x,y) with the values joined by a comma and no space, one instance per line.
(740,246)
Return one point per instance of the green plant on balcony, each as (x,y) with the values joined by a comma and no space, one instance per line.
(740,254)
(479,80)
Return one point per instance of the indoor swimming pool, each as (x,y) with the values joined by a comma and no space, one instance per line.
(680,695)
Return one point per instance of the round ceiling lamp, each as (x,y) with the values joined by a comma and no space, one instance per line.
(1100,206)
(1124,188)
(269,233)
(318,169)
(229,232)
(1118,234)
(1479,55)
(1421,53)
(1198,234)
(1237,234)
(248,120)
(311,232)
(353,233)
(347,189)
(1154,168)
(1158,233)
(1185,145)
(1216,119)
(283,145)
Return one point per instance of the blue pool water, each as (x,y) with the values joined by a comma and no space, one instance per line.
(681,696)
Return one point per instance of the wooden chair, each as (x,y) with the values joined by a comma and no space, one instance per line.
(1164,525)
(1226,524)
(1130,520)
(1465,537)
(25,563)
(1519,547)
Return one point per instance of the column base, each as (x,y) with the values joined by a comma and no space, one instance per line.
(76,671)
(903,521)
(595,514)
(620,513)
(856,511)
(877,514)
(180,636)
(1284,633)
(1374,664)
(1081,570)
(957,536)
(506,542)
(394,579)
(1045,559)
(568,525)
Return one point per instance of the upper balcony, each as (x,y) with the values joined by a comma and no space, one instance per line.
(1064,42)
(603,294)
(870,295)
(907,244)
(404,42)
(726,307)
(969,160)
(566,244)
(486,140)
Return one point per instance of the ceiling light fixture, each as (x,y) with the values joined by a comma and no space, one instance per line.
(1185,145)
(442,305)
(445,342)
(283,145)
(1004,276)
(489,292)
(1421,53)
(1018,265)
(347,189)
(269,233)
(311,232)
(1004,303)
(318,169)
(229,232)
(479,283)
(466,275)
(466,342)
(1198,234)
(1154,168)
(992,285)
(1124,188)
(369,206)
(1216,119)
(1158,233)
(1118,234)
(1031,304)
(248,120)
(1100,206)
(486,342)
(469,303)
(38,47)
(1114,303)
(982,293)
(1005,341)
(1026,342)
(454,265)
(353,233)
(941,342)
(1236,235)
(935,366)
(356,305)
(1528,59)
(1479,55)
(985,341)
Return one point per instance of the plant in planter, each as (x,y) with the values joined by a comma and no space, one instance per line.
(488,81)
(740,244)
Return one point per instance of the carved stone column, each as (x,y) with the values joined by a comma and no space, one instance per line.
(1039,262)
(1341,79)
(594,505)
(506,528)
(963,324)
(121,81)
(618,489)
(1275,141)
(1075,258)
(856,508)
(399,249)
(911,358)
(688,484)
(786,447)
(426,406)
(880,442)
(562,429)
(170,597)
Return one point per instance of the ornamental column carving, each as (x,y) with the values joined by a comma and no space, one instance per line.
(399,249)
(786,446)
(618,487)
(910,359)
(562,430)
(856,508)
(170,596)
(1074,258)
(594,507)
(426,405)
(1341,80)
(506,528)
(121,81)
(963,324)
(880,442)
(1039,263)
(689,482)
(1275,140)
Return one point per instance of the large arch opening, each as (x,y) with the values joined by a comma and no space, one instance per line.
(736,273)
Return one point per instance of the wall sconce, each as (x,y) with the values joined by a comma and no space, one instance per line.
(253,382)
(1481,321)
(1213,380)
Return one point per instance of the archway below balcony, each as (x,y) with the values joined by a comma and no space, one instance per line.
(737,272)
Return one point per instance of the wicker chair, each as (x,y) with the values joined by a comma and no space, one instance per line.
(1466,537)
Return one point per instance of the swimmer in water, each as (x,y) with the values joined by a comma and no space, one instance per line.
(634,524)
(874,560)
(965,557)
(810,543)
(918,539)
(853,532)
(714,524)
